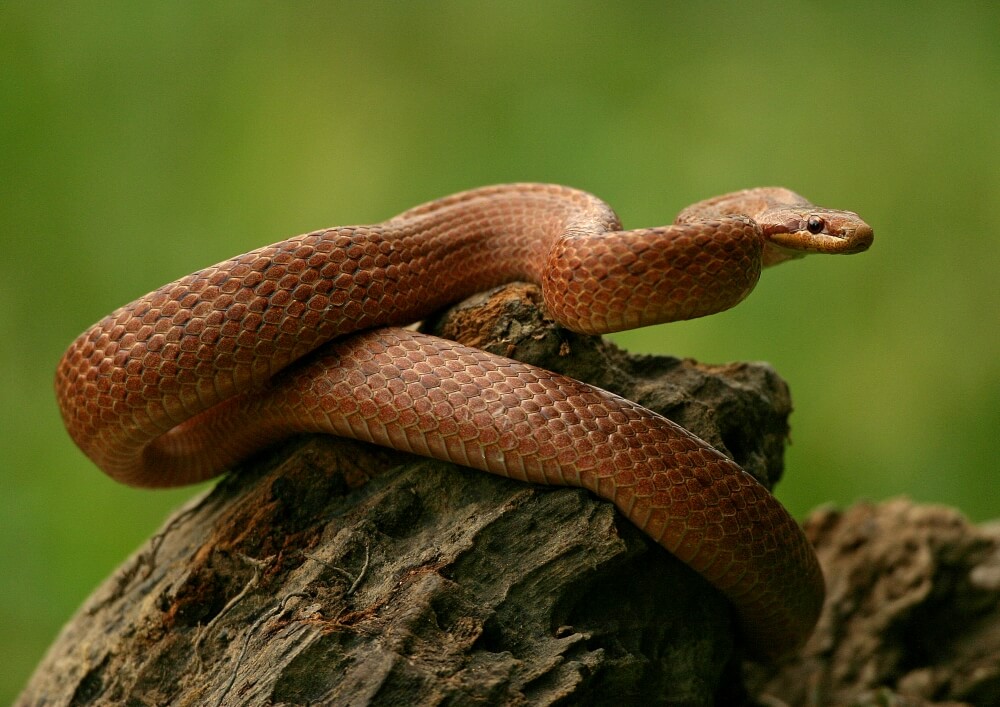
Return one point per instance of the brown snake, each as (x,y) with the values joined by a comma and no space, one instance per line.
(189,379)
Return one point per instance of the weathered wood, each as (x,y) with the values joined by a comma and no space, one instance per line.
(294,581)
(912,616)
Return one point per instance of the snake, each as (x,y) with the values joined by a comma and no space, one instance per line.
(306,336)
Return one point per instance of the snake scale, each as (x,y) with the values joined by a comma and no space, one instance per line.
(196,375)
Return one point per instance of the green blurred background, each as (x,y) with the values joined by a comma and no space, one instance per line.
(141,141)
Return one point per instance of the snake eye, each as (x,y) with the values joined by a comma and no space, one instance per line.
(815,225)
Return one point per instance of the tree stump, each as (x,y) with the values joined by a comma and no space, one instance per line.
(327,571)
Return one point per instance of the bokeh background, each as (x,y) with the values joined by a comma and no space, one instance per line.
(141,141)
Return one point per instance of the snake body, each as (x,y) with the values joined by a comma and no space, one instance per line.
(180,384)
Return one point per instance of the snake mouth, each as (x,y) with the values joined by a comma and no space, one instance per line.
(846,241)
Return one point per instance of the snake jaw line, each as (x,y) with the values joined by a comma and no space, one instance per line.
(850,242)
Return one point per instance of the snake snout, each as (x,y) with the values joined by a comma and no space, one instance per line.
(857,239)
(839,238)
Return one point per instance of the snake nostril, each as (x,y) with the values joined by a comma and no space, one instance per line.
(862,237)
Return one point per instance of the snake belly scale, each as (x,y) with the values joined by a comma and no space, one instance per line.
(298,336)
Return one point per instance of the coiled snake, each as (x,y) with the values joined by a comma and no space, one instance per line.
(185,381)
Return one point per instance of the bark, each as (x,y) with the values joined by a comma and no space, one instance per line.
(911,616)
(326,571)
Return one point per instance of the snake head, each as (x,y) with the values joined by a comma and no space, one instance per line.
(810,229)
(793,227)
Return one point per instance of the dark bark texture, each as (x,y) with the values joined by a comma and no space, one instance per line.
(326,571)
